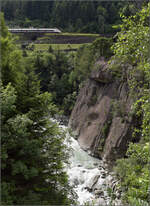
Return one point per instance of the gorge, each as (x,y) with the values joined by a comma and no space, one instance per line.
(103,131)
(102,87)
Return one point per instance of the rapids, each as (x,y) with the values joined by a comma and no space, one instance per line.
(88,176)
(81,171)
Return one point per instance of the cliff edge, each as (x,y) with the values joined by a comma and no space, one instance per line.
(101,118)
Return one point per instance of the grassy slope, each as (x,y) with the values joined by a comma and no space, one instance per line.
(46,36)
(44,42)
(73,34)
(45,47)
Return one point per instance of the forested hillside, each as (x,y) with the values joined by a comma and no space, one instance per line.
(70,16)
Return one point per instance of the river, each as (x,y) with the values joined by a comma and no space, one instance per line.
(89,177)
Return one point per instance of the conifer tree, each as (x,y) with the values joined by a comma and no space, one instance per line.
(33,149)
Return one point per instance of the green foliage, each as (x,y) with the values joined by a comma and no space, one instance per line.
(83,64)
(133,40)
(54,70)
(142,108)
(33,150)
(119,109)
(134,172)
(7,102)
(51,47)
(133,47)
(102,47)
(105,132)
(138,202)
(111,193)
(10,58)
(33,153)
(116,67)
(70,16)
(86,57)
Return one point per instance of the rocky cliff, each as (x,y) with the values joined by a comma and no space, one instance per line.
(101,118)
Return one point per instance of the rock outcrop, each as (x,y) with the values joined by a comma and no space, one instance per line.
(101,118)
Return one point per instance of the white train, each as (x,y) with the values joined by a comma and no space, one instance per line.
(39,30)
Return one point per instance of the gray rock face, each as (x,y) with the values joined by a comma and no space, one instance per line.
(100,118)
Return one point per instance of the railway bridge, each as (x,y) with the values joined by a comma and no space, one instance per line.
(32,33)
(34,30)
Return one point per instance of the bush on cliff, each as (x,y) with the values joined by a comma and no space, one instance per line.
(86,57)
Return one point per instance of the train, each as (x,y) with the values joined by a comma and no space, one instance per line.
(34,30)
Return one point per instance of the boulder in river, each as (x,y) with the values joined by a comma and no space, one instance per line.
(92,182)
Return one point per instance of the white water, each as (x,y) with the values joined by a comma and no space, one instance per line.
(87,175)
(81,172)
(83,168)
